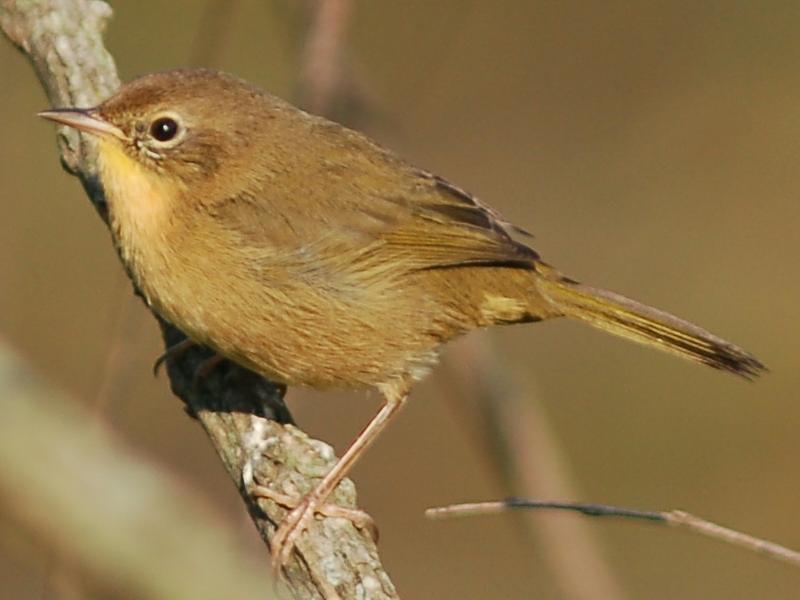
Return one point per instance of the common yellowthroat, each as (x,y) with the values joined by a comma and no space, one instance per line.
(308,253)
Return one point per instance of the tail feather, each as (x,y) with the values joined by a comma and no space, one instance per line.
(635,321)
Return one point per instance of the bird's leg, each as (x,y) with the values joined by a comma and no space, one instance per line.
(300,517)
(206,368)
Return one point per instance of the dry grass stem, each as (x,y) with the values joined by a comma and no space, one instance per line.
(672,518)
(321,75)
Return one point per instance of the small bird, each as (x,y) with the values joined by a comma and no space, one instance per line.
(308,253)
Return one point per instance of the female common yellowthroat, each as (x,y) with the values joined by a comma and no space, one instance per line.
(306,252)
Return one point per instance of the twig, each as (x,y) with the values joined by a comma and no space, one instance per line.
(321,74)
(214,32)
(116,370)
(516,433)
(673,518)
(243,414)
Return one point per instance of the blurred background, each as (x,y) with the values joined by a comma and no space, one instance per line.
(652,149)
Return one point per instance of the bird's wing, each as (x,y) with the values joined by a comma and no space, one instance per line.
(352,201)
(443,226)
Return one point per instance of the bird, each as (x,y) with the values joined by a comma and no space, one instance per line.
(310,254)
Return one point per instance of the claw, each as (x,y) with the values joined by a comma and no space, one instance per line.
(177,350)
(290,530)
(174,351)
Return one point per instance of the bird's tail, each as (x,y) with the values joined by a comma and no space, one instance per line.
(649,326)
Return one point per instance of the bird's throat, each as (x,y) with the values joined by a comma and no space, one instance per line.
(140,202)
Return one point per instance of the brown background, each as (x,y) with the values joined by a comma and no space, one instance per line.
(651,147)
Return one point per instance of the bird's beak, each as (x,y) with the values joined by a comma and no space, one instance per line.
(83,119)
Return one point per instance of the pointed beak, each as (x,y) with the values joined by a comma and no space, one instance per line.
(83,119)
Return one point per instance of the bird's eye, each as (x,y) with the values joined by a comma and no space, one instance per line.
(164,129)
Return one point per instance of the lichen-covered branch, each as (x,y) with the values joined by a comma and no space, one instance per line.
(243,414)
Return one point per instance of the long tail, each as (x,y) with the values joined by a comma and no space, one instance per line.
(635,321)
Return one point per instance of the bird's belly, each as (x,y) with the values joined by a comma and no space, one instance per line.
(302,335)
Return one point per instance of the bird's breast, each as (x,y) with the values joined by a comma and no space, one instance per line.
(142,207)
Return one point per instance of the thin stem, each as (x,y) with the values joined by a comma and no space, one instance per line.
(672,518)
(321,76)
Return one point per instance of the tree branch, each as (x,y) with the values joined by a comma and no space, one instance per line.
(673,518)
(242,413)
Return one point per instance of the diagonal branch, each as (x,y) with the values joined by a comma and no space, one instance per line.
(242,413)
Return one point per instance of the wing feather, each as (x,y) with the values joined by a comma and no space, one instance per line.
(374,205)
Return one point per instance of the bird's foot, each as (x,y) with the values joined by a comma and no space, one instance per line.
(178,350)
(300,517)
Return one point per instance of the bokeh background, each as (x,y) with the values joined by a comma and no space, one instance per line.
(651,147)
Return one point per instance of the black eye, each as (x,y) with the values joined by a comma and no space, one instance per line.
(164,129)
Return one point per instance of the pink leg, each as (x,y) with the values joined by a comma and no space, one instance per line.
(299,518)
